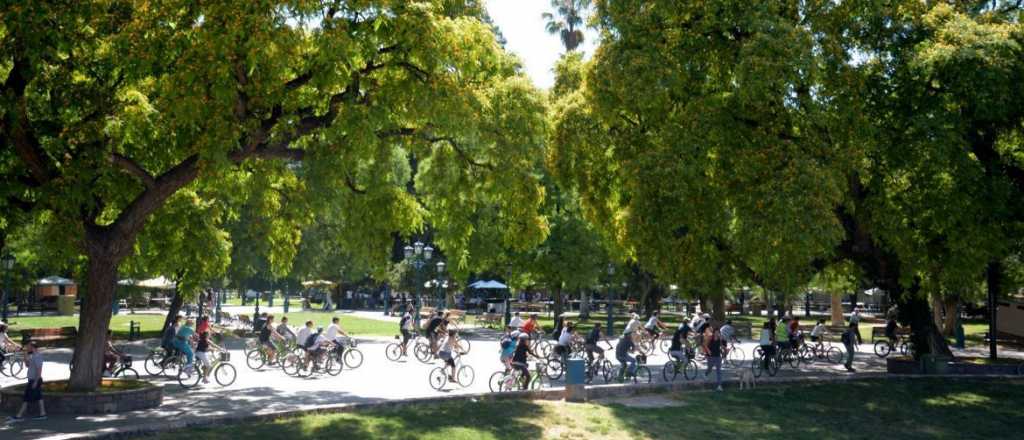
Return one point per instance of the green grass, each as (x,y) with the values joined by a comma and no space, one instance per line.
(903,409)
(151,324)
(351,324)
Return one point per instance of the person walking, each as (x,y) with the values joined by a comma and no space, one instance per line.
(849,339)
(855,323)
(713,350)
(34,387)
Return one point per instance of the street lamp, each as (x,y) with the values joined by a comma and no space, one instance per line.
(611,273)
(417,255)
(8,263)
(442,298)
(286,299)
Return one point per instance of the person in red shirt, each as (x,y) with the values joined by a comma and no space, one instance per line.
(531,324)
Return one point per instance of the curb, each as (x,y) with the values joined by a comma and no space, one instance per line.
(593,392)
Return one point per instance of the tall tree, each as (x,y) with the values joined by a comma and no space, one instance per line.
(567,21)
(111,108)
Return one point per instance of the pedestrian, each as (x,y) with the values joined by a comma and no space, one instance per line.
(855,323)
(34,387)
(848,338)
(713,350)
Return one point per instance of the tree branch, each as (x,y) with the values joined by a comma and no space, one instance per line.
(133,168)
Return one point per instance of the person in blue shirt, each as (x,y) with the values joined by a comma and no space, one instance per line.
(181,341)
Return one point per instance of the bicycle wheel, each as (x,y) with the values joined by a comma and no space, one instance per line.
(643,374)
(290,363)
(904,348)
(225,374)
(554,370)
(690,370)
(393,351)
(152,363)
(353,358)
(255,360)
(189,377)
(806,355)
(793,359)
(496,381)
(438,378)
(544,348)
(173,365)
(333,366)
(15,367)
(465,376)
(127,373)
(882,349)
(536,382)
(664,345)
(422,353)
(669,371)
(736,356)
(773,366)
(757,366)
(834,355)
(465,345)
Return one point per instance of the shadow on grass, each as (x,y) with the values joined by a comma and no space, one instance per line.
(930,408)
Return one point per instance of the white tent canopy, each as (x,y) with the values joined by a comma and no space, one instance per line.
(55,281)
(488,285)
(873,291)
(318,283)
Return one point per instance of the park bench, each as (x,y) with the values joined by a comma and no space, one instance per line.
(489,320)
(244,321)
(48,335)
(226,318)
(456,316)
(879,332)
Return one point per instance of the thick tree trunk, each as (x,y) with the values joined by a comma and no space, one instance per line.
(557,300)
(718,307)
(949,326)
(837,310)
(174,308)
(937,309)
(584,305)
(652,300)
(94,320)
(915,310)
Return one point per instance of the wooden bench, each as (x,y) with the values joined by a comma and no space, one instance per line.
(456,316)
(490,320)
(47,335)
(244,321)
(879,332)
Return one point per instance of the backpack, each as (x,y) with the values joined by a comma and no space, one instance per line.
(310,340)
(506,342)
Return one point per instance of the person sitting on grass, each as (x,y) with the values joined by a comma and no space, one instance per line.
(34,387)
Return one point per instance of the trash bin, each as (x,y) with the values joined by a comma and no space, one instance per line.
(575,389)
(66,305)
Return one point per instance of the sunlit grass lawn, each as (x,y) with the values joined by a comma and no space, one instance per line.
(119,324)
(900,409)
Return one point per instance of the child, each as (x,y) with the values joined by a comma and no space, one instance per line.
(34,387)
(202,353)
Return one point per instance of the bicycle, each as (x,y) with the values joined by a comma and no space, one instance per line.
(464,374)
(351,357)
(884,347)
(223,372)
(734,354)
(674,367)
(159,362)
(763,363)
(394,351)
(13,365)
(640,373)
(599,366)
(301,363)
(258,357)
(123,369)
(822,350)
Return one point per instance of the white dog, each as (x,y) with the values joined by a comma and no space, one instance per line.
(747,379)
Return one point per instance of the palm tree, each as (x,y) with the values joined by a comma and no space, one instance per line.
(567,21)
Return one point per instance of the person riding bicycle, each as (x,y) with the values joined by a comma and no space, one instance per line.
(405,327)
(890,331)
(169,336)
(203,347)
(699,326)
(631,327)
(677,350)
(622,350)
(782,335)
(654,325)
(530,326)
(507,345)
(516,322)
(448,348)
(111,356)
(181,342)
(519,358)
(336,335)
(564,345)
(268,334)
(7,345)
(767,342)
(303,338)
(431,330)
(285,330)
(590,344)
(795,335)
(728,332)
(818,331)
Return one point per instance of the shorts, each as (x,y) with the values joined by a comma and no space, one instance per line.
(204,358)
(445,355)
(268,344)
(33,393)
(678,355)
(815,338)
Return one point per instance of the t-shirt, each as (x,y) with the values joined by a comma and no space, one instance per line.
(530,326)
(203,344)
(727,331)
(794,326)
(594,336)
(433,325)
(516,322)
(715,347)
(623,347)
(520,353)
(818,330)
(565,338)
(652,323)
(782,333)
(203,327)
(265,334)
(286,331)
(633,324)
(35,366)
(185,332)
(332,332)
(406,322)
(678,337)
(855,318)
(303,337)
(766,336)
(169,334)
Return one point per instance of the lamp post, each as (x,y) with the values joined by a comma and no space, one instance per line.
(807,304)
(220,298)
(611,308)
(8,262)
(257,310)
(417,255)
(442,299)
(508,295)
(286,297)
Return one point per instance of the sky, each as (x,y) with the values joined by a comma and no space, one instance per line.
(523,28)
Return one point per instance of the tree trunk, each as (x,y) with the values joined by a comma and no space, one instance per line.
(584,305)
(94,320)
(994,281)
(652,300)
(915,310)
(174,308)
(719,306)
(837,310)
(949,326)
(937,310)
(557,300)
(703,303)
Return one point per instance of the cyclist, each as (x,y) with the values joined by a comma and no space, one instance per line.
(203,347)
(590,344)
(516,322)
(767,342)
(169,338)
(728,332)
(818,332)
(565,341)
(6,344)
(795,336)
(508,346)
(267,337)
(405,327)
(530,326)
(432,327)
(450,345)
(654,325)
(335,333)
(284,330)
(622,350)
(782,336)
(111,356)
(631,326)
(890,331)
(678,349)
(203,324)
(181,342)
(519,358)
(304,337)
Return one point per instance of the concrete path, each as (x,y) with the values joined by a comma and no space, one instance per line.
(270,390)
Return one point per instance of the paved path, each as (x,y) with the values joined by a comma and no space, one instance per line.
(269,391)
